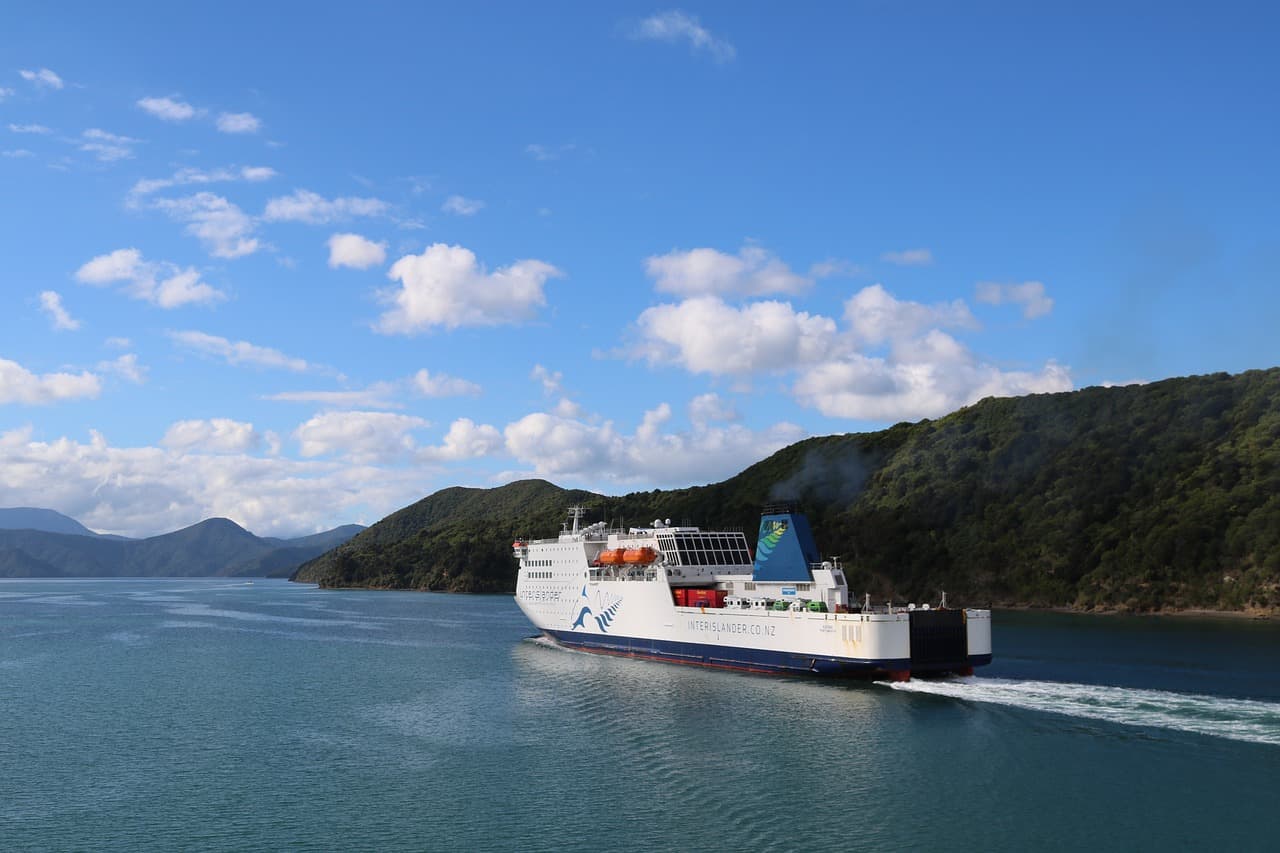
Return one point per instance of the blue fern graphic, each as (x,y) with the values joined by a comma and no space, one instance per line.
(606,617)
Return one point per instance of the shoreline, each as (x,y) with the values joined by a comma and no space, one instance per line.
(1186,613)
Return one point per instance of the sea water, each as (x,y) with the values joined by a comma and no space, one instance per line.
(220,715)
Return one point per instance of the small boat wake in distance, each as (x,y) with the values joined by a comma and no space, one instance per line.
(1218,716)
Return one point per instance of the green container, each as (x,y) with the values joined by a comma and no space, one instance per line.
(818,606)
(781,604)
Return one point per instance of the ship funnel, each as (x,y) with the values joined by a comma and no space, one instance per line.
(785,548)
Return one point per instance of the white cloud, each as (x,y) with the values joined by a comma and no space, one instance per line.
(442,385)
(142,491)
(359,436)
(19,385)
(465,440)
(168,109)
(158,282)
(462,206)
(29,128)
(16,153)
(314,209)
(705,335)
(597,454)
(118,343)
(709,408)
(42,78)
(186,176)
(239,123)
(127,367)
(107,147)
(676,26)
(703,272)
(931,377)
(216,435)
(6,93)
(446,286)
(875,316)
(223,228)
(552,381)
(1030,295)
(51,303)
(352,250)
(909,258)
(238,352)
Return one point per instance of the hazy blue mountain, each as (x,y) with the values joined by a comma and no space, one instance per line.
(34,518)
(214,547)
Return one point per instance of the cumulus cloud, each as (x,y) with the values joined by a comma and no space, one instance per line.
(315,209)
(545,153)
(598,454)
(446,286)
(705,335)
(142,491)
(29,128)
(42,78)
(51,303)
(126,367)
(909,258)
(158,282)
(891,359)
(356,252)
(216,435)
(107,147)
(237,352)
(223,228)
(675,26)
(239,123)
(168,109)
(465,440)
(875,316)
(442,385)
(462,206)
(5,93)
(359,436)
(20,385)
(1030,295)
(709,408)
(703,272)
(934,376)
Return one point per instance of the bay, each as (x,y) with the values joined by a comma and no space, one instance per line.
(219,715)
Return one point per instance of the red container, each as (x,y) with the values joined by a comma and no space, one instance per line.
(700,598)
(679,594)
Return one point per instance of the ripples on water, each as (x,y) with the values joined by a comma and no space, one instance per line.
(161,715)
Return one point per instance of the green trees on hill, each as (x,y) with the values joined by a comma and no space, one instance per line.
(1162,496)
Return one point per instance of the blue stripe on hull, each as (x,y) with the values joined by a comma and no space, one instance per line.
(749,660)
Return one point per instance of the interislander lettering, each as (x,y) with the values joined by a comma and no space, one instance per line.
(714,626)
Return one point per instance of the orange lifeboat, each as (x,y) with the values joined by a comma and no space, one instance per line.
(639,556)
(612,558)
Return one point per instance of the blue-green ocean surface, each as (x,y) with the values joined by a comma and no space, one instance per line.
(212,714)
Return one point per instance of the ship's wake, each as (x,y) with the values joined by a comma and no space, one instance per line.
(1238,719)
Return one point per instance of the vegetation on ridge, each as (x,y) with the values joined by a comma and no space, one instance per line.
(1153,497)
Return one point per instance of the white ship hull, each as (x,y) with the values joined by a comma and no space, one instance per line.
(632,611)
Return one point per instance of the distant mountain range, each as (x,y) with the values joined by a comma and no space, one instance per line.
(42,543)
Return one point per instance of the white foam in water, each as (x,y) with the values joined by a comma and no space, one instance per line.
(1238,719)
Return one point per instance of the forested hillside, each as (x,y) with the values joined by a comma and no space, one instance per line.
(1153,497)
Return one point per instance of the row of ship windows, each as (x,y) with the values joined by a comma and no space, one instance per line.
(538,562)
(540,575)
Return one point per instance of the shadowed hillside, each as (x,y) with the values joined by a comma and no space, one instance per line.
(1161,496)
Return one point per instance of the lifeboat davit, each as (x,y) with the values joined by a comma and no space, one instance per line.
(612,557)
(639,556)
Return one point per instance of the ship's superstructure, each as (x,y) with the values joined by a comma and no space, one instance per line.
(693,596)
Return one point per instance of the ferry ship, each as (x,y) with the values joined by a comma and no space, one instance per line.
(693,596)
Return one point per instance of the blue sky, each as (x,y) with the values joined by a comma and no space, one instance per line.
(302,266)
